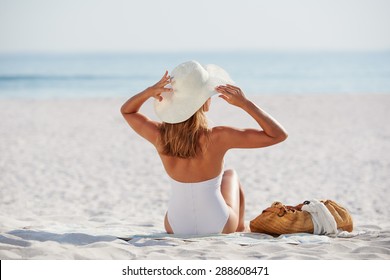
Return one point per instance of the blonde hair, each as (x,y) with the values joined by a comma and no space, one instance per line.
(182,139)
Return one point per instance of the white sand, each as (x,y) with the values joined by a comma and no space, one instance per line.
(73,176)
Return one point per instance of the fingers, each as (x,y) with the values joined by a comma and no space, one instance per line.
(166,79)
(231,94)
(224,97)
(232,87)
(228,88)
(158,97)
(221,89)
(231,90)
(224,94)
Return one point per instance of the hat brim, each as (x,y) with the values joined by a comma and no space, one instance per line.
(176,108)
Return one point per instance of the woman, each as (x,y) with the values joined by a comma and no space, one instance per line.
(205,199)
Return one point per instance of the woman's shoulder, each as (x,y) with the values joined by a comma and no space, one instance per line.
(220,138)
(222,130)
(222,133)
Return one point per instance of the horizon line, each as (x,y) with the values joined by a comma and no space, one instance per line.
(211,51)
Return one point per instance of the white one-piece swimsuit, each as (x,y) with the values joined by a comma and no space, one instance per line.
(197,208)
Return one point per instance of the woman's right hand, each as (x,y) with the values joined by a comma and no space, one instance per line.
(158,88)
(232,94)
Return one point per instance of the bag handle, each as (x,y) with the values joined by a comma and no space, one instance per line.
(281,211)
(278,211)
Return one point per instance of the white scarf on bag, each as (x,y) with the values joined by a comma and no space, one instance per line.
(323,220)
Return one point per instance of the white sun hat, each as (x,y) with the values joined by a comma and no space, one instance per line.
(192,85)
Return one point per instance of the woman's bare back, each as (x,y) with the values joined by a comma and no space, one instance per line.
(207,165)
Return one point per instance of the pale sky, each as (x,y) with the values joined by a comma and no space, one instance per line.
(195,25)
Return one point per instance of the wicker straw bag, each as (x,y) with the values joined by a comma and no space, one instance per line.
(281,219)
(340,214)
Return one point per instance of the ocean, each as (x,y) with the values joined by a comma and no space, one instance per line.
(37,76)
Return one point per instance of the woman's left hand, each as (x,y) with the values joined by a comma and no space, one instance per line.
(157,89)
(232,94)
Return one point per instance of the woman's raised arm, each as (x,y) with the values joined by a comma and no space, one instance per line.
(141,124)
(134,103)
(272,132)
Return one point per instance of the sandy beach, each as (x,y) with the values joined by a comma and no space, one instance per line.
(74,177)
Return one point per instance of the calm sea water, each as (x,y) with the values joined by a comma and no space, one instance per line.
(105,75)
